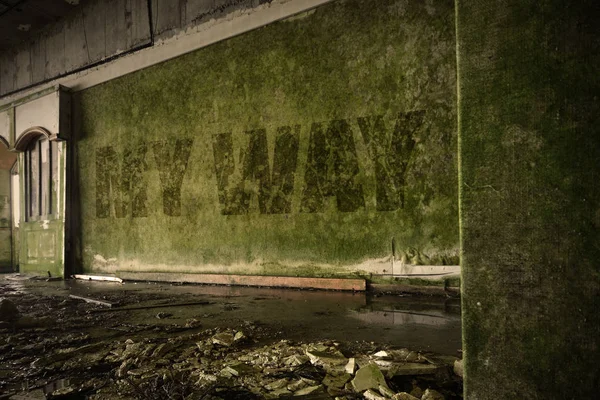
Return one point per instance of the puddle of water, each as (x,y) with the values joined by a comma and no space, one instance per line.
(429,324)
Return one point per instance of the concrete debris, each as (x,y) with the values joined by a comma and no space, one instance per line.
(458,368)
(331,359)
(382,354)
(431,394)
(125,359)
(351,366)
(223,339)
(372,395)
(282,392)
(337,381)
(404,396)
(411,368)
(386,391)
(368,377)
(8,311)
(239,336)
(278,384)
(295,360)
(308,390)
(208,360)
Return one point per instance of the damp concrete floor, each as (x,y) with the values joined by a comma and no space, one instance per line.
(420,323)
(142,309)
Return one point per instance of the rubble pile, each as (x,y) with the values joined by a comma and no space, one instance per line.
(64,348)
(210,366)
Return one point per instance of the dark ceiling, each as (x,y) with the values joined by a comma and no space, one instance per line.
(22,19)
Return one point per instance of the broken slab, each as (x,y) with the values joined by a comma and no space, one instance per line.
(308,390)
(336,381)
(402,369)
(278,384)
(295,360)
(373,395)
(368,377)
(386,391)
(223,339)
(330,359)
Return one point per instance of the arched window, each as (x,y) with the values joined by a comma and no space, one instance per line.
(40,178)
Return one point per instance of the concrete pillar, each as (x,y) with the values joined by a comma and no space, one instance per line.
(529,114)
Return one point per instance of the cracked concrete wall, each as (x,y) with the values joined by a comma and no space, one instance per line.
(315,146)
(530,197)
(101,29)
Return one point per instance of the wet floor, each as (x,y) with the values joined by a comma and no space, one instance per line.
(428,323)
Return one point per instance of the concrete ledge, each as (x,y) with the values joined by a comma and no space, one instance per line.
(250,280)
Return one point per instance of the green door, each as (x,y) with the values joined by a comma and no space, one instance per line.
(7,162)
(5,228)
(42,230)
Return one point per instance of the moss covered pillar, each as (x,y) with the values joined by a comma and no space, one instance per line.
(529,81)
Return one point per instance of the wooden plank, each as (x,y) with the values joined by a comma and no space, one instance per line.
(93,301)
(251,280)
(98,278)
(55,51)
(116,27)
(38,59)
(168,305)
(138,25)
(23,67)
(76,52)
(7,71)
(166,16)
(195,10)
(94,25)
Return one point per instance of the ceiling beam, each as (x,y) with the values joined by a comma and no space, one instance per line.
(10,6)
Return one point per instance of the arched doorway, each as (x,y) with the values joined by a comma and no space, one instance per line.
(8,261)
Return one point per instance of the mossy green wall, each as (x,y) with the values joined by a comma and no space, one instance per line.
(305,147)
(530,197)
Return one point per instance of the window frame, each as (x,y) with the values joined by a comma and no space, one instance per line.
(44,207)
